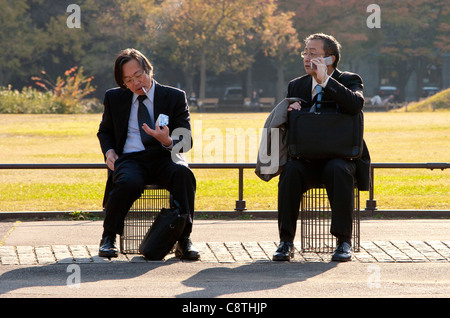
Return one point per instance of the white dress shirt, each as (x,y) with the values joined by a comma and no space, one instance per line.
(134,141)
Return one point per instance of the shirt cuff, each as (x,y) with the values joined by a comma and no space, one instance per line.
(169,147)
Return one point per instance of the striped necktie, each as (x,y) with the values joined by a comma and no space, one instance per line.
(319,93)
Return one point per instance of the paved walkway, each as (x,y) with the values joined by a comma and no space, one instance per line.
(56,259)
(17,248)
(232,252)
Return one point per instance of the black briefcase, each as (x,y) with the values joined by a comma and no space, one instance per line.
(314,135)
(164,233)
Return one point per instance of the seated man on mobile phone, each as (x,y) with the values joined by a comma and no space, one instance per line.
(323,81)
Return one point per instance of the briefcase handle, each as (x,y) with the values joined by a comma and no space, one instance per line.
(174,203)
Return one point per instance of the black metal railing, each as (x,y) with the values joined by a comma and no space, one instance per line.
(240,203)
(371,205)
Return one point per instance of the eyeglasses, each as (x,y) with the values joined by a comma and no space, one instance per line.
(138,75)
(311,55)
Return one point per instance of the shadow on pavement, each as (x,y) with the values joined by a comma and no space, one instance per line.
(212,282)
(68,275)
(220,281)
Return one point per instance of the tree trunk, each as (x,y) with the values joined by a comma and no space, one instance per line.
(189,78)
(280,82)
(202,92)
(249,82)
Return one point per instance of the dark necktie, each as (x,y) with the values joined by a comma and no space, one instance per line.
(144,117)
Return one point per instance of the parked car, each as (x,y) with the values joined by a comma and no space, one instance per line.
(429,91)
(386,91)
(233,96)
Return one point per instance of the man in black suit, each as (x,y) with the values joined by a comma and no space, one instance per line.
(342,89)
(140,152)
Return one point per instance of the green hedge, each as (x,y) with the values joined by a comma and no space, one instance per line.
(33,101)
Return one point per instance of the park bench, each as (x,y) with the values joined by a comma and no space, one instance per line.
(208,103)
(267,102)
(264,103)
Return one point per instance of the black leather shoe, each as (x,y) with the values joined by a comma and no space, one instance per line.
(284,252)
(342,253)
(108,247)
(185,250)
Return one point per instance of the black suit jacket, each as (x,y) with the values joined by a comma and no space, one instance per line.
(345,91)
(113,128)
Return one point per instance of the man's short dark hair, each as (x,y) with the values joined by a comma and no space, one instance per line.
(330,45)
(124,57)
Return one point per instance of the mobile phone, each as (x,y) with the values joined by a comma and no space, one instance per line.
(328,61)
(163,120)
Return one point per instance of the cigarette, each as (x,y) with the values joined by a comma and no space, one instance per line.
(145,91)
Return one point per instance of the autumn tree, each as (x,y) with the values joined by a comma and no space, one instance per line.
(105,30)
(344,19)
(196,36)
(279,41)
(415,35)
(203,35)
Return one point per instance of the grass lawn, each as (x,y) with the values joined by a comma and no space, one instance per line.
(218,137)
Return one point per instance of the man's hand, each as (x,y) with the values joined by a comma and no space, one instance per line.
(111,158)
(321,71)
(295,106)
(159,133)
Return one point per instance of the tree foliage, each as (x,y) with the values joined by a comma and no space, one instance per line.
(186,39)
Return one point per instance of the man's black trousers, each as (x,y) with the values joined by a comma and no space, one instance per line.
(300,175)
(135,170)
